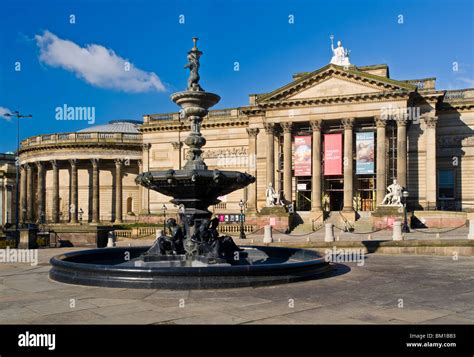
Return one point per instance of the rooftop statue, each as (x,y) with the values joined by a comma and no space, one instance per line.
(340,55)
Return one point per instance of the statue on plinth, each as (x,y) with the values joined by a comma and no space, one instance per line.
(272,198)
(340,55)
(394,195)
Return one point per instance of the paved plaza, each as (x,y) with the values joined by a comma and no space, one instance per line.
(386,289)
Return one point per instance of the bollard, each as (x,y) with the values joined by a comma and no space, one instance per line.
(267,236)
(397,231)
(471,229)
(110,239)
(329,235)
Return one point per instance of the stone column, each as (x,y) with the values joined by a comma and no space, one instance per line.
(9,204)
(270,152)
(41,212)
(252,167)
(95,191)
(23,194)
(3,204)
(55,205)
(287,160)
(145,204)
(73,209)
(30,194)
(118,191)
(348,164)
(402,151)
(431,194)
(140,187)
(177,145)
(316,167)
(381,179)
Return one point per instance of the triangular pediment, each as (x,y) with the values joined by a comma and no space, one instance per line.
(331,81)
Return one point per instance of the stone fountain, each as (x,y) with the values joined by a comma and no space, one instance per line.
(195,187)
(194,255)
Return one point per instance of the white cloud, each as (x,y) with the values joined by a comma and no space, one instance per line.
(468,81)
(96,64)
(4,111)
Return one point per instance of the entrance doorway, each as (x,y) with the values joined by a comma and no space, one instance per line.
(333,198)
(303,193)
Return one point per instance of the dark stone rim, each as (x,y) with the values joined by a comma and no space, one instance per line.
(66,270)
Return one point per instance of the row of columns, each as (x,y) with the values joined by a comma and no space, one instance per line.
(27,197)
(348,124)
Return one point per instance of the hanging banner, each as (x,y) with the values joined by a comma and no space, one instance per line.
(365,153)
(302,155)
(332,154)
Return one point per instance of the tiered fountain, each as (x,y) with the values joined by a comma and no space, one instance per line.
(194,255)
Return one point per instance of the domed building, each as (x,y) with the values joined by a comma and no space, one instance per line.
(83,176)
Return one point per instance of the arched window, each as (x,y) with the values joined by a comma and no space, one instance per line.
(129,205)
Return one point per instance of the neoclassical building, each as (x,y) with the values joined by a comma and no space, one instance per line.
(81,177)
(332,139)
(335,139)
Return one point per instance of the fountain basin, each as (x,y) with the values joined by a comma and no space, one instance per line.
(262,266)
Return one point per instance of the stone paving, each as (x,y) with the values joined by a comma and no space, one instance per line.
(387,289)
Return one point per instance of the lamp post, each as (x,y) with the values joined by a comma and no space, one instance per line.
(18,116)
(405,228)
(164,219)
(242,233)
(81,212)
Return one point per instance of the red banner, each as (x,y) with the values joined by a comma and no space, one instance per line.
(332,154)
(302,155)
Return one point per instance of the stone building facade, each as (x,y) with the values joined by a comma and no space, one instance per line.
(82,177)
(7,189)
(421,136)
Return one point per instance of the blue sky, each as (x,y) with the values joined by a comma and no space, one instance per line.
(257,34)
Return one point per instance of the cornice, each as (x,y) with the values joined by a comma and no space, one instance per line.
(332,71)
(175,125)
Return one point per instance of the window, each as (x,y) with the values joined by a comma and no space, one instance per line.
(446,182)
(129,205)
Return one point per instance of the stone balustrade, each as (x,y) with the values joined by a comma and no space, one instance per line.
(81,137)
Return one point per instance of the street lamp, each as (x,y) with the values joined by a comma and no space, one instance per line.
(405,228)
(242,233)
(17,115)
(164,219)
(81,212)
